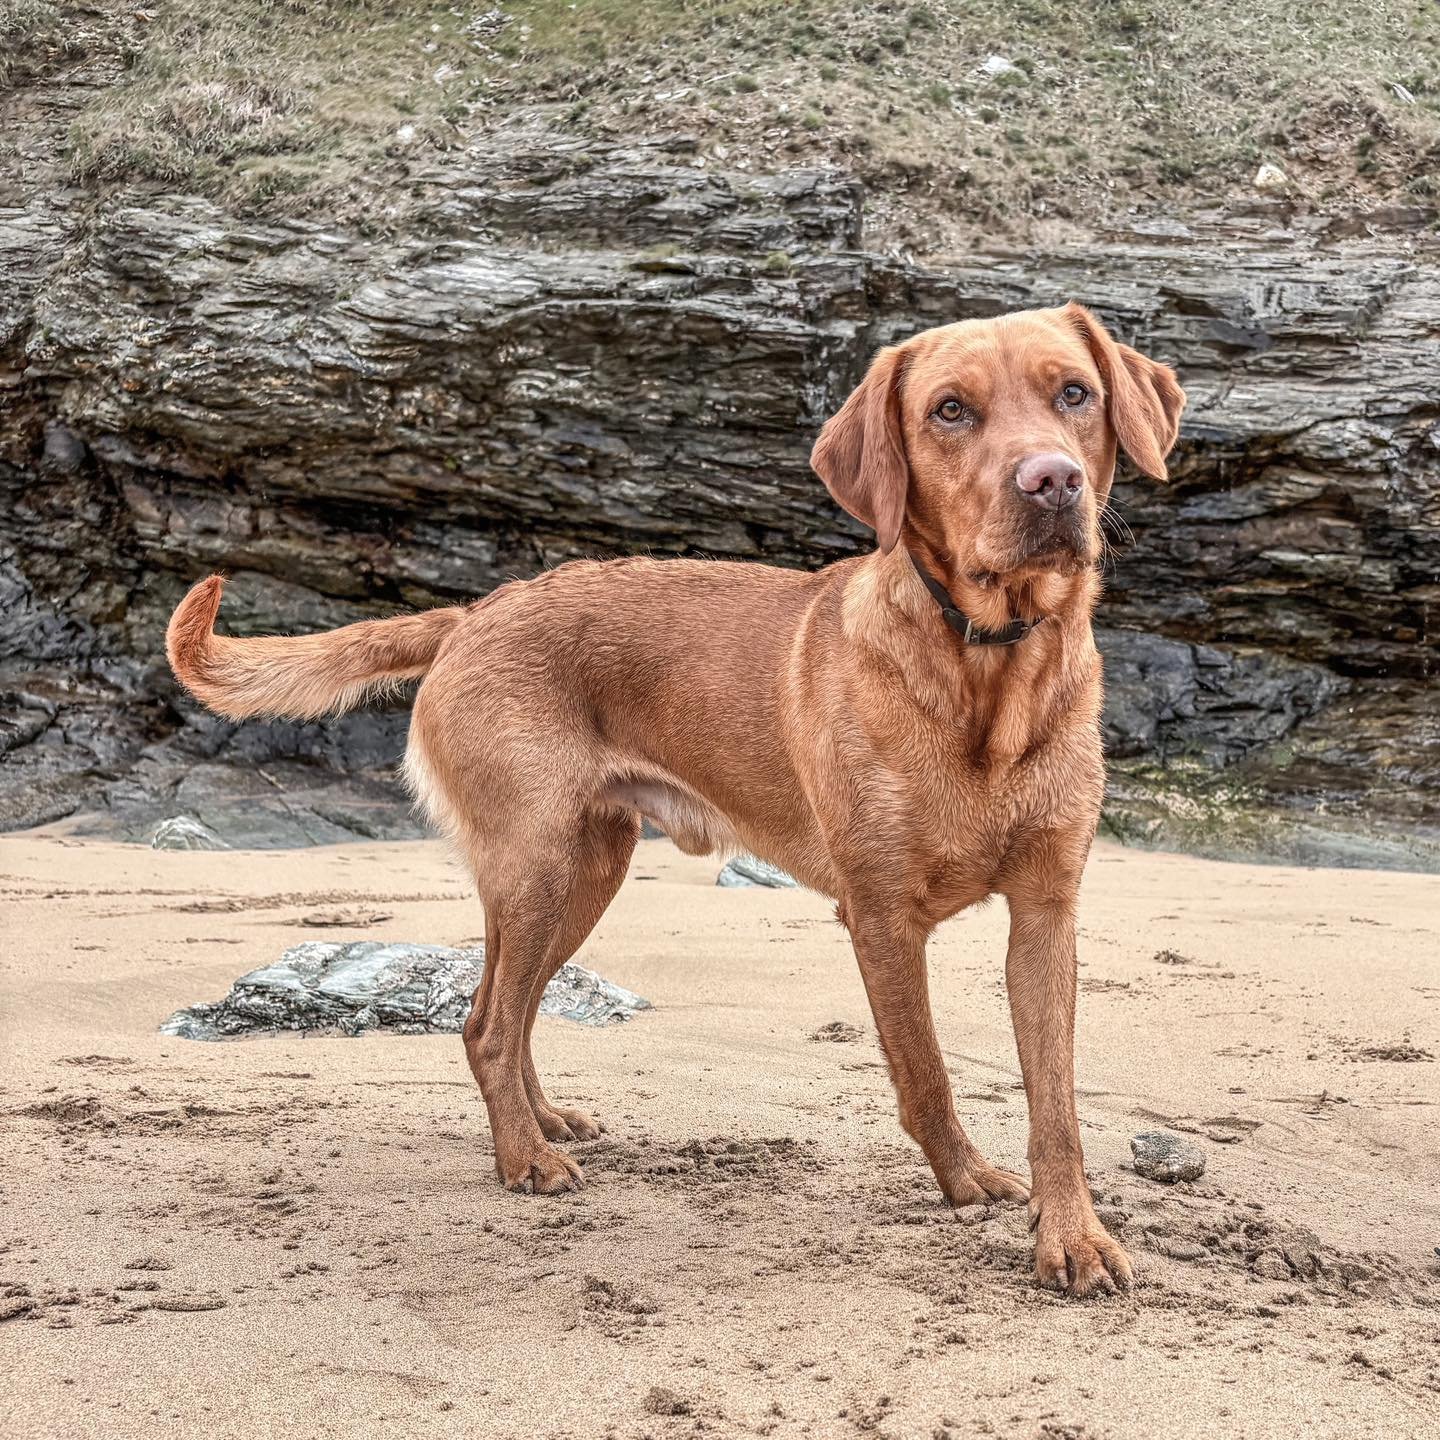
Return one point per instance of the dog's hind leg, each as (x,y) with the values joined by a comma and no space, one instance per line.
(601,860)
(524,915)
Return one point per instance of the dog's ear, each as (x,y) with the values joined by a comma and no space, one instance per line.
(1143,397)
(860,454)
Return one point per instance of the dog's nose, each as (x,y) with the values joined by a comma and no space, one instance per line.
(1052,480)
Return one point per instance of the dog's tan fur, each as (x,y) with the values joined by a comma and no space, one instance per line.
(830,722)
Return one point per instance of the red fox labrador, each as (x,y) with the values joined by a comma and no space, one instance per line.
(907,732)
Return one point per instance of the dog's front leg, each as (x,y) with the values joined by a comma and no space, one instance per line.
(1073,1252)
(891,952)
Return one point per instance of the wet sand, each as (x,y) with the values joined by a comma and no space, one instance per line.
(303,1236)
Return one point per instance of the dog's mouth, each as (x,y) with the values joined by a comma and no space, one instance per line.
(1066,549)
(1044,542)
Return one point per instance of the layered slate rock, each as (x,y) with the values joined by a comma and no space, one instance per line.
(360,985)
(633,355)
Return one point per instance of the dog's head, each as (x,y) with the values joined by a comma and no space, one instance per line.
(993,442)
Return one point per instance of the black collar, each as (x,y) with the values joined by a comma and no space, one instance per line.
(962,624)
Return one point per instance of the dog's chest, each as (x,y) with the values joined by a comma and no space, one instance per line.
(969,826)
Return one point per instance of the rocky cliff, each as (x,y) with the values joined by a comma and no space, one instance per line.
(609,350)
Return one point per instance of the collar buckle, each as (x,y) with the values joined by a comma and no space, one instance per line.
(962,624)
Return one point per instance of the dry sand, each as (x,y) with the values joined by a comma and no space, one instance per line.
(304,1236)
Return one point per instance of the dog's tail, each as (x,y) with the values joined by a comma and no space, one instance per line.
(301,676)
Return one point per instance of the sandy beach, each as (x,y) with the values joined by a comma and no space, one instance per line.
(304,1236)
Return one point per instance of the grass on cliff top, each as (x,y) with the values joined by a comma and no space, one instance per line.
(258,100)
(29,31)
(1008,112)
(964,115)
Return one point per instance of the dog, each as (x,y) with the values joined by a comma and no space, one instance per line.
(908,732)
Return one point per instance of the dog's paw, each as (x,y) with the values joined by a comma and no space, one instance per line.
(982,1184)
(539,1170)
(557,1122)
(1077,1255)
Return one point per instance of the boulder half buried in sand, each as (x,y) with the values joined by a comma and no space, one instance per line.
(1159,1155)
(361,985)
(746,870)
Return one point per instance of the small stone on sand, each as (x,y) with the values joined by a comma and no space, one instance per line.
(1159,1155)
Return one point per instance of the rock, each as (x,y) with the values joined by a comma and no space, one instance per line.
(747,870)
(362,985)
(997,65)
(448,409)
(1164,696)
(1159,1155)
(263,785)
(1270,178)
(64,450)
(184,832)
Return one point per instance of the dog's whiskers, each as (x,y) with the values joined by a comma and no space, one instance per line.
(1110,516)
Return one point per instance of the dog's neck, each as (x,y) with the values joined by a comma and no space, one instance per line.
(993,601)
(1001,700)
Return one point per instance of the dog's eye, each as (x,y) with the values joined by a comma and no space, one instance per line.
(1074,395)
(952,412)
